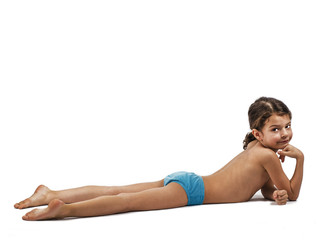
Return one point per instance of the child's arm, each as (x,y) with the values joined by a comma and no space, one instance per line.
(271,193)
(277,175)
(268,189)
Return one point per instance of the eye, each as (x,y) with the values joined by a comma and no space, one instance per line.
(275,129)
(288,126)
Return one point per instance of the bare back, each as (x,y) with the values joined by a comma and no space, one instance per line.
(240,179)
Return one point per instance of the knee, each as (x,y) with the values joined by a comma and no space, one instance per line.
(126,201)
(113,191)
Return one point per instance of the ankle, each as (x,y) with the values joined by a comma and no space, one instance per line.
(51,195)
(58,208)
(65,211)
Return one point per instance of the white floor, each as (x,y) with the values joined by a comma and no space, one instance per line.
(112,93)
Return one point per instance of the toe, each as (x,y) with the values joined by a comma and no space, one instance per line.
(24,204)
(30,215)
(18,205)
(26,216)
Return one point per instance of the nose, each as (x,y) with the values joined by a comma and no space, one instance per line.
(284,133)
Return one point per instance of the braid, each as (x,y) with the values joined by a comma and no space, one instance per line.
(249,138)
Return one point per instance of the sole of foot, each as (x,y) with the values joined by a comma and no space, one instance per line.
(53,211)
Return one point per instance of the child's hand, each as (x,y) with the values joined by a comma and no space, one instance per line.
(289,151)
(280,197)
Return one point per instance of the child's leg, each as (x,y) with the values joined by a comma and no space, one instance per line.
(170,196)
(43,195)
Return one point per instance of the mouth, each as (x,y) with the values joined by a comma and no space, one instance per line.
(284,142)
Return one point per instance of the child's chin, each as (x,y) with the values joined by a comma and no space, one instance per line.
(283,145)
(276,147)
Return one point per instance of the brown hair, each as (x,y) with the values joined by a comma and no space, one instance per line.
(260,111)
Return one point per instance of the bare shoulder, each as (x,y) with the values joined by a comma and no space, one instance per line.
(266,155)
(261,153)
(269,154)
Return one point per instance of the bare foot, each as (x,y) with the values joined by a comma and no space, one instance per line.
(40,197)
(53,211)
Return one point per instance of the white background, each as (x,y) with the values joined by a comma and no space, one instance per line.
(118,92)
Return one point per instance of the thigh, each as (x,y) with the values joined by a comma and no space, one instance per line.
(170,196)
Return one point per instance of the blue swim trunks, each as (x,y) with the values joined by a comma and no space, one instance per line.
(191,183)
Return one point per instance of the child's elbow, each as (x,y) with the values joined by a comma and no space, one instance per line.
(293,197)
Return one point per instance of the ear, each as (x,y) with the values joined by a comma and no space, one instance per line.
(257,134)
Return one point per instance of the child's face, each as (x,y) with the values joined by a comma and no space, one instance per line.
(277,132)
